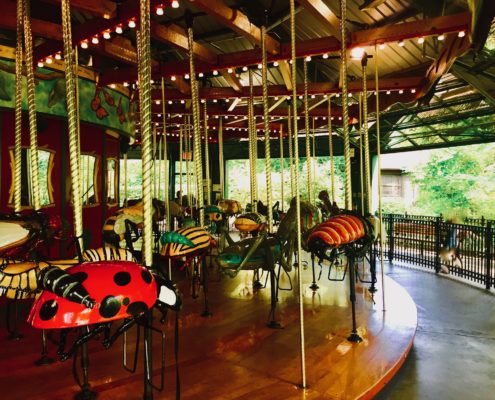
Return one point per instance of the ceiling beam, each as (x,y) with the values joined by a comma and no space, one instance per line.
(232,80)
(312,47)
(237,21)
(320,88)
(175,36)
(233,105)
(454,47)
(101,8)
(127,10)
(322,13)
(284,69)
(40,28)
(411,30)
(369,4)
(482,85)
(277,103)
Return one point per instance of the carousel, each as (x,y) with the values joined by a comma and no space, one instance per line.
(183,290)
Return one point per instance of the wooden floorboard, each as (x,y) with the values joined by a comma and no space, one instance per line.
(233,355)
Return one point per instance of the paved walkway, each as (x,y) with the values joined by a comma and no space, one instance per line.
(453,356)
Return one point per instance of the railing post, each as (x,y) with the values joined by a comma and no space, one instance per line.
(488,254)
(438,221)
(390,238)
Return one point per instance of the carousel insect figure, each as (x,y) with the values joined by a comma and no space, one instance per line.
(128,221)
(188,248)
(265,251)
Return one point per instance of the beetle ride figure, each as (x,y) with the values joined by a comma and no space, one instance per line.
(128,221)
(189,247)
(97,294)
(265,251)
(347,234)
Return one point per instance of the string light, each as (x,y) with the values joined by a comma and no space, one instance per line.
(421,40)
(276,98)
(275,63)
(170,102)
(119,30)
(112,85)
(48,60)
(413,91)
(388,91)
(173,78)
(357,53)
(175,4)
(126,84)
(401,43)
(215,72)
(461,34)
(230,70)
(186,76)
(307,59)
(313,96)
(244,68)
(158,102)
(215,100)
(182,101)
(325,56)
(401,91)
(40,64)
(84,44)
(106,34)
(382,46)
(441,37)
(58,56)
(260,66)
(201,75)
(131,24)
(159,10)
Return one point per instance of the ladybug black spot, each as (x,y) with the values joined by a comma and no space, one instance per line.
(122,278)
(145,274)
(48,310)
(136,308)
(125,301)
(110,306)
(80,276)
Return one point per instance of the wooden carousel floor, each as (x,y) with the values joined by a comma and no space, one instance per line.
(233,355)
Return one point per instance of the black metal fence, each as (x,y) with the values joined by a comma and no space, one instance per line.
(465,250)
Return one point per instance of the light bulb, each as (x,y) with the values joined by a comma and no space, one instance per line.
(159,10)
(421,40)
(201,75)
(170,102)
(401,43)
(186,76)
(230,70)
(260,66)
(275,63)
(357,53)
(119,30)
(126,84)
(48,60)
(441,37)
(244,68)
(40,64)
(388,92)
(173,78)
(215,72)
(84,44)
(182,101)
(58,56)
(401,91)
(313,96)
(158,102)
(307,59)
(175,4)
(325,56)
(382,46)
(131,24)
(413,90)
(461,34)
(106,35)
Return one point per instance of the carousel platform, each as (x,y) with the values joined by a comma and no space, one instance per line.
(233,355)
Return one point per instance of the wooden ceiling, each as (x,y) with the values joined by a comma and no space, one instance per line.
(227,40)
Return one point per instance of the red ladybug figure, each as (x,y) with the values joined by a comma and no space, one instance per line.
(99,292)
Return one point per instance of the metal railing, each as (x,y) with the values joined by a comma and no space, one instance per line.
(465,250)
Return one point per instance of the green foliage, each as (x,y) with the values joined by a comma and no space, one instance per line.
(457,181)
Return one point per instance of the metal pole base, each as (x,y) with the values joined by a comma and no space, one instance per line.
(257,285)
(85,394)
(274,325)
(44,360)
(354,338)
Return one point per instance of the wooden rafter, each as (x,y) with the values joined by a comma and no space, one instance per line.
(369,4)
(233,81)
(284,69)
(237,21)
(101,8)
(322,13)
(175,36)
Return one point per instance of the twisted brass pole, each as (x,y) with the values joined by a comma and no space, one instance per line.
(296,192)
(345,109)
(254,146)
(367,169)
(33,130)
(72,121)
(291,156)
(221,159)
(308,139)
(266,125)
(18,109)
(181,151)
(313,161)
(330,148)
(361,160)
(207,157)
(282,165)
(146,133)
(166,194)
(196,129)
